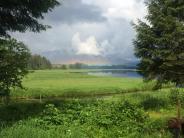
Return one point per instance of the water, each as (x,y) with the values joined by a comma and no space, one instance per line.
(116,73)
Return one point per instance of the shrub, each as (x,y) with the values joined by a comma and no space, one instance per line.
(51,116)
(89,119)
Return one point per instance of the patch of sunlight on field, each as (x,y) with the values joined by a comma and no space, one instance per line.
(162,114)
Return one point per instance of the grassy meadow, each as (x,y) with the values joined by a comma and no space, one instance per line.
(54,83)
(75,104)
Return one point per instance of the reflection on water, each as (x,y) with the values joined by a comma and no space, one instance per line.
(116,73)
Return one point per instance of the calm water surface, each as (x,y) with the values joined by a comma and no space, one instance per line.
(116,73)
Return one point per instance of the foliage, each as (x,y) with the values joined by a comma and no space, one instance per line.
(175,95)
(159,42)
(109,117)
(84,118)
(50,116)
(121,118)
(64,66)
(155,103)
(18,16)
(14,57)
(77,66)
(23,15)
(38,62)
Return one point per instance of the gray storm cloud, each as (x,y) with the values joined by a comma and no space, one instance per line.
(89,31)
(74,11)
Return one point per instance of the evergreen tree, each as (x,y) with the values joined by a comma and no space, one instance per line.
(38,62)
(160,45)
(160,42)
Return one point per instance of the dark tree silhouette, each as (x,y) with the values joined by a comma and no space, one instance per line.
(22,15)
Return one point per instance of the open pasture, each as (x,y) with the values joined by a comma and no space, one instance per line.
(75,83)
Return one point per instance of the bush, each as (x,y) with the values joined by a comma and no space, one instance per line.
(50,117)
(88,119)
(118,119)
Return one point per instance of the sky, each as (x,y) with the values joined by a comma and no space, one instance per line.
(88,31)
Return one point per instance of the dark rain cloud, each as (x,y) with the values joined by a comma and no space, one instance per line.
(74,11)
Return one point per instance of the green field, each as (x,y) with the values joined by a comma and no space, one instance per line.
(74,104)
(55,83)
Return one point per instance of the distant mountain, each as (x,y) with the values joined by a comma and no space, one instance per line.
(128,65)
(59,58)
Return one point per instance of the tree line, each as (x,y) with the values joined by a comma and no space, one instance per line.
(38,62)
(85,66)
(70,66)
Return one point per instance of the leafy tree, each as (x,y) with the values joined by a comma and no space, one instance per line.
(18,15)
(22,15)
(160,42)
(13,65)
